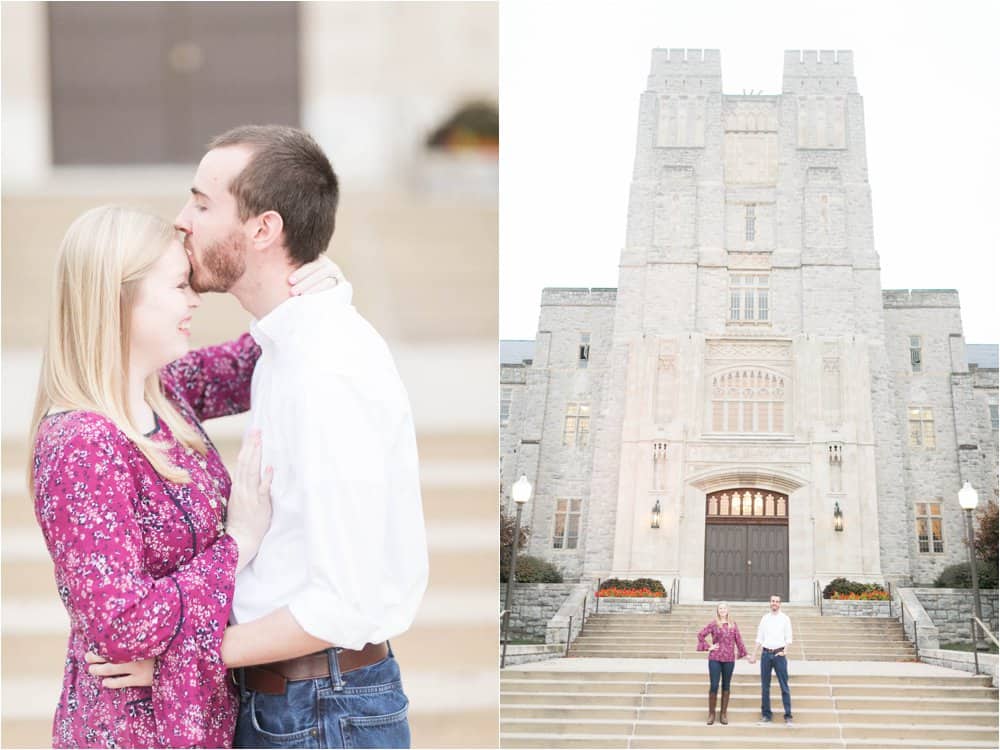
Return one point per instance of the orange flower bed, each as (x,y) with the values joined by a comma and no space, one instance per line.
(876,595)
(630,593)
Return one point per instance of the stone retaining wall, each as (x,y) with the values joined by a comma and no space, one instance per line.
(961,660)
(524,654)
(950,610)
(621,605)
(853,608)
(533,606)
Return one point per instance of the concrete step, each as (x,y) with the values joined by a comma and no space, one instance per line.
(746,714)
(947,680)
(656,654)
(832,731)
(861,695)
(749,699)
(718,736)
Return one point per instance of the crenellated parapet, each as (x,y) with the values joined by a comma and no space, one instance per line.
(823,71)
(693,70)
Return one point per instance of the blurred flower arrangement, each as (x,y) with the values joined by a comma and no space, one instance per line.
(875,595)
(474,127)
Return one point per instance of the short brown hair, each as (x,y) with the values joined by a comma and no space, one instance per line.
(290,174)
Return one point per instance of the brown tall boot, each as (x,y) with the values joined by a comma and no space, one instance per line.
(711,707)
(725,706)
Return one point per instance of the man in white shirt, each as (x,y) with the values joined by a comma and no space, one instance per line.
(774,635)
(343,567)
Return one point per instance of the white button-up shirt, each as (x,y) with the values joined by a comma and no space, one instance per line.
(775,630)
(347,549)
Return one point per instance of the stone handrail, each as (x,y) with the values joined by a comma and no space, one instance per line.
(916,620)
(557,630)
(977,622)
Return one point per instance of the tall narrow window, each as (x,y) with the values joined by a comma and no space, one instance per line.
(916,354)
(576,429)
(994,418)
(749,299)
(748,401)
(751,220)
(506,396)
(584,349)
(566,530)
(930,537)
(921,420)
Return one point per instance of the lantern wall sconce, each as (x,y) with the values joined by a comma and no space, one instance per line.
(838,518)
(654,519)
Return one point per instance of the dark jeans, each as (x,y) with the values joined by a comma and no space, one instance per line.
(363,708)
(717,668)
(780,665)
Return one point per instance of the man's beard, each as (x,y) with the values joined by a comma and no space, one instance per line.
(222,264)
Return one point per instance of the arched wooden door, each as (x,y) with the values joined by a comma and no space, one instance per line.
(746,545)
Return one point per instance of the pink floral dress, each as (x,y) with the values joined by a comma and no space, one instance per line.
(143,565)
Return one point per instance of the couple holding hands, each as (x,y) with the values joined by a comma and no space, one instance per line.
(774,634)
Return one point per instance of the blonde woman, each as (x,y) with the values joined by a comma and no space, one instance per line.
(144,525)
(726,647)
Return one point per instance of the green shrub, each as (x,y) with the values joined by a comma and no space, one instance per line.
(532,570)
(958,576)
(633,583)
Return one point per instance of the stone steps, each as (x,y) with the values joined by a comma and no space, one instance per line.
(905,709)
(674,635)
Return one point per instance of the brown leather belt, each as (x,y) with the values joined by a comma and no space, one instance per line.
(273,678)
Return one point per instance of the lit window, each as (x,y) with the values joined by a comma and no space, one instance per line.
(921,421)
(748,400)
(576,430)
(751,220)
(930,537)
(566,531)
(749,299)
(506,395)
(916,353)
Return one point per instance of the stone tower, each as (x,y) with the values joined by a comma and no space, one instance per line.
(747,371)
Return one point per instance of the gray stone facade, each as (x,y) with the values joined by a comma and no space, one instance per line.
(533,606)
(749,254)
(950,610)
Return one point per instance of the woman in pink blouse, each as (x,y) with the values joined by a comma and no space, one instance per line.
(726,647)
(144,525)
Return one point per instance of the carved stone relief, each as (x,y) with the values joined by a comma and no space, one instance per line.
(749,350)
(821,122)
(751,158)
(681,121)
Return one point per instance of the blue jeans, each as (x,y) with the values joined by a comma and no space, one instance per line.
(717,669)
(362,708)
(780,665)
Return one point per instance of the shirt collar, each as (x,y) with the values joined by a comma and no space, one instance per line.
(284,319)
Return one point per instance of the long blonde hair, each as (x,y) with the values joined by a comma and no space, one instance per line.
(102,260)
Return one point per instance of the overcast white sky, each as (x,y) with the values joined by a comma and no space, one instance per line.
(570,79)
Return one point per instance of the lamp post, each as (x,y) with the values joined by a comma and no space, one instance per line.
(521,492)
(968,498)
